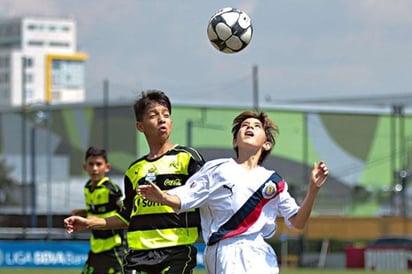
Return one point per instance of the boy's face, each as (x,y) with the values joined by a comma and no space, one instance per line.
(156,122)
(251,134)
(96,167)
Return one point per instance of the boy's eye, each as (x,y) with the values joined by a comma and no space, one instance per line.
(254,125)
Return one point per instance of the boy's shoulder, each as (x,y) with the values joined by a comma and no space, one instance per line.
(190,150)
(194,153)
(217,162)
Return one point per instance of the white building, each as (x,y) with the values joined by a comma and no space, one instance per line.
(44,51)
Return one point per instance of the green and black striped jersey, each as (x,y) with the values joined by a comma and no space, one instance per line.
(104,200)
(153,225)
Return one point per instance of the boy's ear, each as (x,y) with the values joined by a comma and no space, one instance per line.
(267,146)
(108,167)
(139,126)
(84,167)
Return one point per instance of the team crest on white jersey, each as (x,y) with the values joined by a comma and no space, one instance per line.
(269,190)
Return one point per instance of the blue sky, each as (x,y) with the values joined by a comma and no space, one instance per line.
(303,49)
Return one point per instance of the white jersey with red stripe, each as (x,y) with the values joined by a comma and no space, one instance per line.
(234,201)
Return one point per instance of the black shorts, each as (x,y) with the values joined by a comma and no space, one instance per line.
(169,260)
(105,262)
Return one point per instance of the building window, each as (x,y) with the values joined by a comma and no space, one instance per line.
(65,28)
(13,30)
(31,27)
(8,30)
(29,94)
(28,78)
(4,93)
(36,43)
(4,62)
(59,44)
(28,62)
(4,77)
(67,74)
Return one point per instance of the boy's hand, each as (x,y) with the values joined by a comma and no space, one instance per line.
(320,173)
(150,192)
(75,224)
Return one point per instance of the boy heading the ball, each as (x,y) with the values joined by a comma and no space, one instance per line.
(239,200)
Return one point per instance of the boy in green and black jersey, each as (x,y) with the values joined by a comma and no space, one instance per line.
(103,199)
(159,240)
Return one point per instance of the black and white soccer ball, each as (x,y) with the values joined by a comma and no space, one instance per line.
(230,30)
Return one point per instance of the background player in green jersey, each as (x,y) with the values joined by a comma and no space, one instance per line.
(159,240)
(103,199)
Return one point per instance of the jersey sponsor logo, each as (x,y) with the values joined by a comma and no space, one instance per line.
(174,182)
(147,203)
(174,164)
(142,203)
(269,190)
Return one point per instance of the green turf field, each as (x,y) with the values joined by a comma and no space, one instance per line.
(283,271)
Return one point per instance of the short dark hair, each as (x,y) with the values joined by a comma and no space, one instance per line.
(96,152)
(146,99)
(271,130)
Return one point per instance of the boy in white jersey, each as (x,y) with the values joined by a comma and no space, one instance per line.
(239,200)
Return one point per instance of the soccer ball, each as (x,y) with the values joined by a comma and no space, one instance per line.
(230,30)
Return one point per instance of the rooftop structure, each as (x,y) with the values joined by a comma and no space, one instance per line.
(39,62)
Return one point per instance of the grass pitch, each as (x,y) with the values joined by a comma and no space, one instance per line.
(282,271)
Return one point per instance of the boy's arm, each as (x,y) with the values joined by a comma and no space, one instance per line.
(318,178)
(77,223)
(112,222)
(79,212)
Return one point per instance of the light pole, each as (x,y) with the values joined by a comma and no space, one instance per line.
(23,143)
(105,114)
(400,188)
(39,119)
(49,170)
(190,124)
(397,138)
(255,88)
(33,176)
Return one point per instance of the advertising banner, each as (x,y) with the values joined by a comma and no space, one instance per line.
(59,254)
(43,254)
